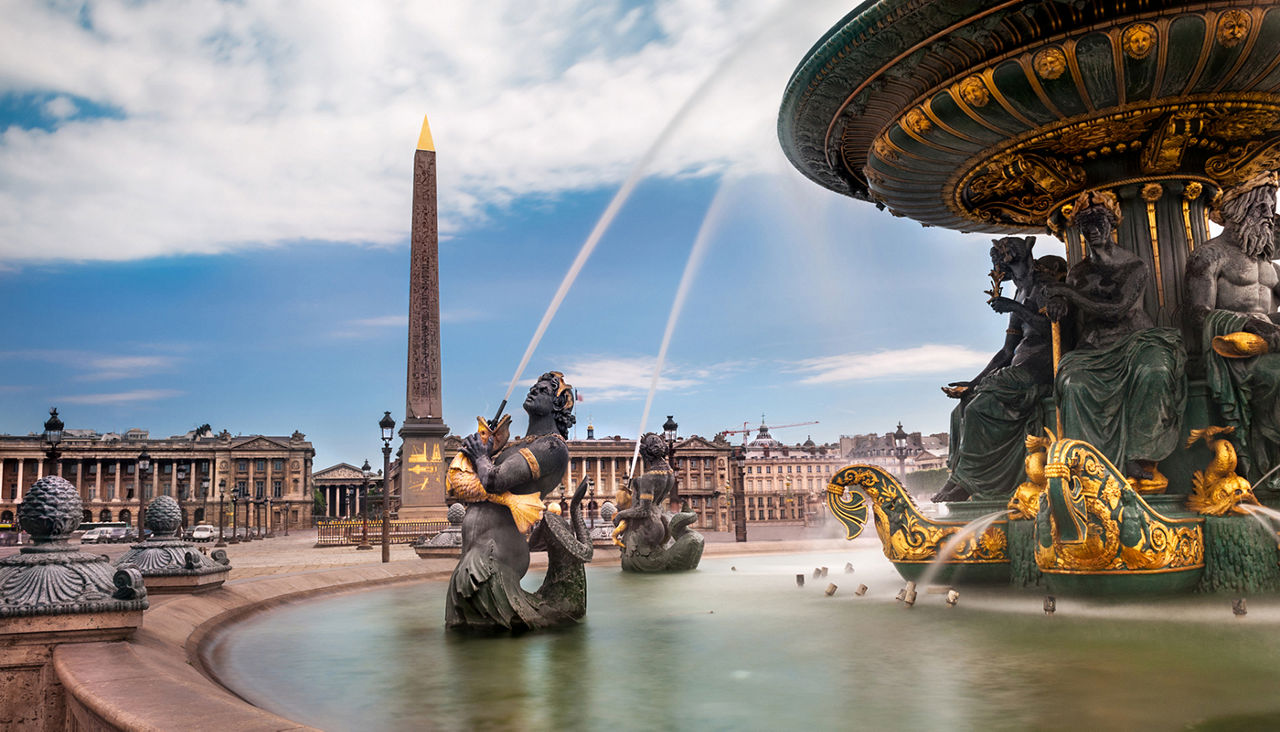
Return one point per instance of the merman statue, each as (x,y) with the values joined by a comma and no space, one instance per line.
(650,541)
(1002,404)
(1123,388)
(503,484)
(1232,294)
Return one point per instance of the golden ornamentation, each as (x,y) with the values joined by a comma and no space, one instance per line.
(973,90)
(905,534)
(1151,193)
(1154,485)
(1138,40)
(1233,26)
(1186,222)
(1218,490)
(1025,502)
(1240,345)
(1170,140)
(1092,522)
(1050,63)
(917,121)
(882,149)
(532,460)
(1021,183)
(1192,191)
(1241,162)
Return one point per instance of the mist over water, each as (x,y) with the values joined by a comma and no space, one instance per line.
(974,528)
(746,649)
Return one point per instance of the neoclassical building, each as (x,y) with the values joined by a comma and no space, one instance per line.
(785,484)
(195,468)
(923,452)
(342,489)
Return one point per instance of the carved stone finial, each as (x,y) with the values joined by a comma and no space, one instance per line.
(50,577)
(164,516)
(456,513)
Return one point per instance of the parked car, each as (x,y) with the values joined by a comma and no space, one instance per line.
(94,535)
(115,535)
(204,532)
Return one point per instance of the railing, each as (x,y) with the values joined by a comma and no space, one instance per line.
(337,533)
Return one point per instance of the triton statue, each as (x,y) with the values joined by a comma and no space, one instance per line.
(1123,388)
(504,486)
(1002,404)
(643,529)
(1232,291)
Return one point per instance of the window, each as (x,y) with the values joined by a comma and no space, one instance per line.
(111,468)
(93,468)
(788,468)
(130,468)
(753,514)
(259,487)
(768,469)
(168,468)
(242,466)
(810,469)
(242,488)
(275,489)
(260,464)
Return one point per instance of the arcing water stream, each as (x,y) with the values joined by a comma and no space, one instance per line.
(974,528)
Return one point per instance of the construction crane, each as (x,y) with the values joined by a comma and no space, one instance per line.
(745,431)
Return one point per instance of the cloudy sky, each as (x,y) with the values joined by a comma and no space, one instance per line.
(204,212)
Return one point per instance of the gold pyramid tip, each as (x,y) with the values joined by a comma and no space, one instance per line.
(424,139)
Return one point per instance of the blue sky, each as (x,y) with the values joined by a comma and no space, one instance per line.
(206,211)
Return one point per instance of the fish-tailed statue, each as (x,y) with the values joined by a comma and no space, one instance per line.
(650,540)
(1003,403)
(1232,292)
(1218,490)
(1123,388)
(504,482)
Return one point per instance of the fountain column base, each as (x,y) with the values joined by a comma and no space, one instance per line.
(1240,556)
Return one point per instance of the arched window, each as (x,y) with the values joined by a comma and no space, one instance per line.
(6,517)
(124,516)
(104,514)
(86,516)
(199,516)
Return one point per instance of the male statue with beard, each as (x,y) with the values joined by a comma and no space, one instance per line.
(1232,292)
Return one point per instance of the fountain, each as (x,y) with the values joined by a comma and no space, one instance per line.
(1121,131)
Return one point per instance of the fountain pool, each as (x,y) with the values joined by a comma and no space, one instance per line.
(736,645)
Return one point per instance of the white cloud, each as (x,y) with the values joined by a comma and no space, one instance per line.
(98,367)
(617,378)
(918,361)
(245,124)
(60,108)
(123,397)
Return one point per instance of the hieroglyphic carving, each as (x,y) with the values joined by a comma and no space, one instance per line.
(424,398)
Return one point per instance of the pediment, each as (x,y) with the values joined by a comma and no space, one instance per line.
(341,471)
(261,443)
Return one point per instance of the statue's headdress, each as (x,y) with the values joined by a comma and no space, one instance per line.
(1092,199)
(1011,248)
(563,401)
(1220,202)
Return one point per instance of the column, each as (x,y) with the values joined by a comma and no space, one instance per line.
(613,477)
(249,484)
(21,465)
(599,488)
(39,467)
(117,482)
(97,477)
(173,477)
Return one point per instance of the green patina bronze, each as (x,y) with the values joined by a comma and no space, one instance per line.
(1015,117)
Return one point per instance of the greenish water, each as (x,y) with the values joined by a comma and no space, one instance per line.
(724,649)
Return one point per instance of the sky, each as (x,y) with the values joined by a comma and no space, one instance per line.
(205,206)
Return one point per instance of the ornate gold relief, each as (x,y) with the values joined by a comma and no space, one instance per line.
(1025,502)
(1022,187)
(917,121)
(1218,490)
(1050,63)
(974,92)
(1241,162)
(1138,40)
(905,534)
(1233,27)
(1091,521)
(1192,191)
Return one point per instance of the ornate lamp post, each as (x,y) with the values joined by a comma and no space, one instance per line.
(204,500)
(53,438)
(900,449)
(144,467)
(669,433)
(222,494)
(740,495)
(388,427)
(271,529)
(235,515)
(367,472)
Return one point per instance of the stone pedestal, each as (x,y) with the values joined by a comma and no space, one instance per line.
(447,543)
(422,471)
(170,564)
(50,594)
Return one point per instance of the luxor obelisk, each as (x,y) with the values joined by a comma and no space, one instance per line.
(422,467)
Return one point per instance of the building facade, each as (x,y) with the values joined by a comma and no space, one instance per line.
(924,452)
(343,491)
(786,484)
(195,468)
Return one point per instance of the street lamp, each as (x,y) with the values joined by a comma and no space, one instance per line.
(144,467)
(222,494)
(388,427)
(669,434)
(52,438)
(367,472)
(235,515)
(271,528)
(740,495)
(900,449)
(247,497)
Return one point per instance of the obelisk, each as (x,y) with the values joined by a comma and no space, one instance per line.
(422,467)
